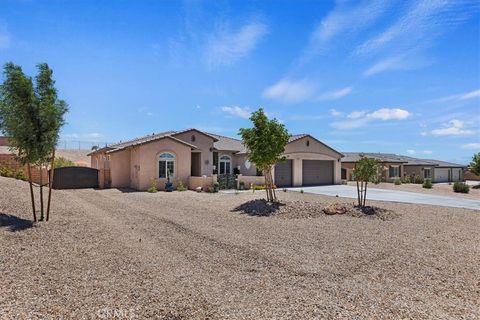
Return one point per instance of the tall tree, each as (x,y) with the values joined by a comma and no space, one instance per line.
(366,170)
(475,164)
(265,143)
(32,118)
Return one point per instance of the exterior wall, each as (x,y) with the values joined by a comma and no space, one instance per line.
(239,160)
(350,166)
(4,141)
(249,180)
(204,144)
(235,160)
(416,171)
(298,151)
(147,162)
(120,168)
(203,182)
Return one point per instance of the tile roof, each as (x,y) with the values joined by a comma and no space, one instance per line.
(406,160)
(227,143)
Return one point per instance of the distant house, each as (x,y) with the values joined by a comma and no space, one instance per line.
(198,159)
(398,166)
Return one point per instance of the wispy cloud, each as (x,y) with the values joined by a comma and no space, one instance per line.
(454,127)
(4,37)
(240,112)
(343,21)
(472,146)
(412,152)
(290,91)
(90,137)
(226,46)
(357,119)
(337,94)
(461,96)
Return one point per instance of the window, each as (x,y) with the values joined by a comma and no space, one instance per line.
(427,173)
(225,164)
(166,165)
(394,171)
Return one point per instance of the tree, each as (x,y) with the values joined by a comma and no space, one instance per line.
(60,162)
(475,164)
(265,143)
(32,118)
(366,170)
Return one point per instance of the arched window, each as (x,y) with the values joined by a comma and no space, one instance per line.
(225,163)
(166,165)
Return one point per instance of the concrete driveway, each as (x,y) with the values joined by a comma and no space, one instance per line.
(394,196)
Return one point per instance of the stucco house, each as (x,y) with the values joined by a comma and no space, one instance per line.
(398,166)
(198,158)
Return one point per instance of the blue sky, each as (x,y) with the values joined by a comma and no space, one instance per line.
(375,76)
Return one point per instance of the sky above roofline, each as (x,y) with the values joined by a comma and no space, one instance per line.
(385,76)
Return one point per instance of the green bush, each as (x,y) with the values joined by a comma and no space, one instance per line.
(461,187)
(181,187)
(419,180)
(397,181)
(63,162)
(153,186)
(476,186)
(20,175)
(9,173)
(427,184)
(406,180)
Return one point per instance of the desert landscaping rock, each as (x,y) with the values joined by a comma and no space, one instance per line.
(199,258)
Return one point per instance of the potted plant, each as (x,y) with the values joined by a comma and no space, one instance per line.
(216,186)
(241,185)
(169,184)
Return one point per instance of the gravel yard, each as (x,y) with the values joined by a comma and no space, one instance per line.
(185,255)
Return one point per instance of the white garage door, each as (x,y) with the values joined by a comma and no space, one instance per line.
(441,175)
(456,174)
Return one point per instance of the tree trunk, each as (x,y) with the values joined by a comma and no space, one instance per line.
(31,191)
(365,194)
(358,194)
(274,194)
(41,194)
(50,183)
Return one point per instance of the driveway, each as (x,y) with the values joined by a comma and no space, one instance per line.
(394,196)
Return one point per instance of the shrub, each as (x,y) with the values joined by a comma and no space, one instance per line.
(397,181)
(20,175)
(63,162)
(476,186)
(259,187)
(418,180)
(153,186)
(427,184)
(406,180)
(284,189)
(301,190)
(181,187)
(6,172)
(461,187)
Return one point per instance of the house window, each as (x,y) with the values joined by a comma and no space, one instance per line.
(225,164)
(394,171)
(427,173)
(166,165)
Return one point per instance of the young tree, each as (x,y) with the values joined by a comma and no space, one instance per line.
(265,143)
(366,170)
(475,164)
(32,117)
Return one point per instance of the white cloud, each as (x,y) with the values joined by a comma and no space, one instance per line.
(337,94)
(411,151)
(472,146)
(290,91)
(461,96)
(335,113)
(427,152)
(4,37)
(454,127)
(227,46)
(92,136)
(357,119)
(238,111)
(390,114)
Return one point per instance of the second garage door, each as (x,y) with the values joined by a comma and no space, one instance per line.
(317,172)
(283,174)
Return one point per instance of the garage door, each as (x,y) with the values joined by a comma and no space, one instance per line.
(317,172)
(283,174)
(457,173)
(441,175)
(75,178)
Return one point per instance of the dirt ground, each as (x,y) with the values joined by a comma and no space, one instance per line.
(441,189)
(186,255)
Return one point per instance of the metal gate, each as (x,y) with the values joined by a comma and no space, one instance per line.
(227,181)
(75,178)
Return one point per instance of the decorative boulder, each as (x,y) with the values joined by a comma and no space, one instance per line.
(198,189)
(335,208)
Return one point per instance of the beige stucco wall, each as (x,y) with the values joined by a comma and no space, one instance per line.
(384,166)
(203,182)
(239,160)
(120,168)
(204,144)
(416,170)
(147,162)
(298,151)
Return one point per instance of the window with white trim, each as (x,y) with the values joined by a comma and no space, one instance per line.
(166,165)
(394,171)
(427,173)
(225,165)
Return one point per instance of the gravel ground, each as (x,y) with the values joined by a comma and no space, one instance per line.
(442,189)
(185,255)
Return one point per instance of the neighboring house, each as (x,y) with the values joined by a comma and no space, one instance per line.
(398,166)
(198,159)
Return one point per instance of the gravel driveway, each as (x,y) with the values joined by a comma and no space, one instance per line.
(393,195)
(184,255)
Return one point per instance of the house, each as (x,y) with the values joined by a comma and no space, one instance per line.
(398,166)
(199,159)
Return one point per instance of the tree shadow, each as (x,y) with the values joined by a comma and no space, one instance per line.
(258,208)
(14,223)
